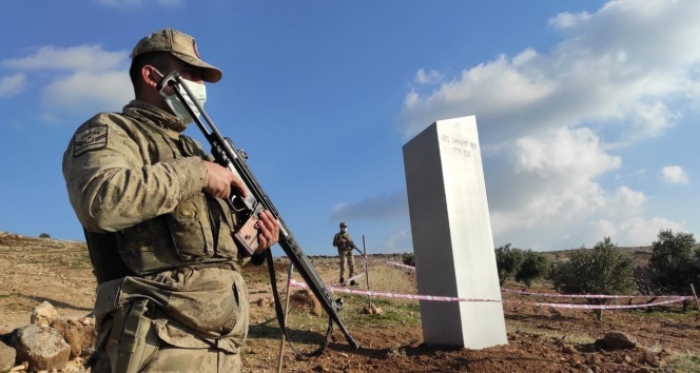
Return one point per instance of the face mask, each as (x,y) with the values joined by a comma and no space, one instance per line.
(343,230)
(198,91)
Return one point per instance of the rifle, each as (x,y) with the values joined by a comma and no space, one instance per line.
(351,243)
(226,154)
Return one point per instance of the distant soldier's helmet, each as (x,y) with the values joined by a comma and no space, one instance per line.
(343,225)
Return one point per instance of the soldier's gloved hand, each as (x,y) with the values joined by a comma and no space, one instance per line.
(268,230)
(220,179)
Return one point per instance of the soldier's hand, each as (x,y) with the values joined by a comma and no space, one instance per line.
(268,230)
(220,180)
(342,242)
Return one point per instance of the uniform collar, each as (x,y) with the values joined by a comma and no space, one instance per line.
(169,123)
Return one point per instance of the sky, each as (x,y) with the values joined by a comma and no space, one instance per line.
(587,111)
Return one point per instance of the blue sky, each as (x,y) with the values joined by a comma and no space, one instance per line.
(587,111)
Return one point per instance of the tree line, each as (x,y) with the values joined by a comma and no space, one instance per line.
(673,266)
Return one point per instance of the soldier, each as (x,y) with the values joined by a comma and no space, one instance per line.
(170,296)
(345,245)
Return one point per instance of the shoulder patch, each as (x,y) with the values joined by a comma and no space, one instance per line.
(91,139)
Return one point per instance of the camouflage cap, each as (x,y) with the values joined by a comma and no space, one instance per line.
(343,225)
(180,45)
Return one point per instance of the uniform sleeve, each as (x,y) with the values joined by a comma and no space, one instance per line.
(335,240)
(108,184)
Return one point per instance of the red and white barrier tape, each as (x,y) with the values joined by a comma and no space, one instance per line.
(599,306)
(588,296)
(396,296)
(432,298)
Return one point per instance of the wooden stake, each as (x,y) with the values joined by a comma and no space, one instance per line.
(692,288)
(364,253)
(280,363)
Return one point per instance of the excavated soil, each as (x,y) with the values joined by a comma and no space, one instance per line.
(542,340)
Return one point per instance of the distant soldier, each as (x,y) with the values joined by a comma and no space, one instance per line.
(345,245)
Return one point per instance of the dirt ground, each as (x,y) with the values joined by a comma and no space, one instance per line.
(540,339)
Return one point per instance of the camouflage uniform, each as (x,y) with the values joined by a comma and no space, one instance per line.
(345,253)
(170,294)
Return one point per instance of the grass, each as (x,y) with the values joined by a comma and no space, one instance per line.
(684,362)
(675,314)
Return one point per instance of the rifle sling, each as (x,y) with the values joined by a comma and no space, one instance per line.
(280,313)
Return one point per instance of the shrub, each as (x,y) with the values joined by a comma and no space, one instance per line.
(605,269)
(508,260)
(534,266)
(674,262)
(44,235)
(409,259)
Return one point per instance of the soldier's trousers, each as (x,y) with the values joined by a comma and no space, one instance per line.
(346,259)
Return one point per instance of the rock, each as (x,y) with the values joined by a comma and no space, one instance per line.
(618,341)
(264,302)
(595,360)
(304,300)
(371,309)
(42,347)
(8,355)
(568,349)
(43,315)
(627,359)
(651,359)
(78,336)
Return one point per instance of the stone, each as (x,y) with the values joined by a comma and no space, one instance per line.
(452,236)
(371,309)
(43,315)
(618,341)
(8,355)
(305,300)
(80,337)
(651,359)
(42,347)
(264,302)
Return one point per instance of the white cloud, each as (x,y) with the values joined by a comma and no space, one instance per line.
(433,76)
(634,231)
(397,242)
(674,175)
(621,67)
(85,92)
(77,80)
(12,85)
(623,73)
(79,58)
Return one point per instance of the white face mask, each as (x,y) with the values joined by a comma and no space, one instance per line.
(343,230)
(198,91)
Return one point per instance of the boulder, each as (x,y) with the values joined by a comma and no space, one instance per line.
(304,300)
(78,336)
(43,315)
(618,341)
(42,347)
(8,355)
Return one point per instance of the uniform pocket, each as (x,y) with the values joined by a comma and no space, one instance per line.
(190,228)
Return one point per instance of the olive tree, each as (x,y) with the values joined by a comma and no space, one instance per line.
(534,266)
(605,269)
(675,263)
(508,260)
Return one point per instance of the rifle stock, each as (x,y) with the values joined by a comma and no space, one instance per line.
(226,154)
